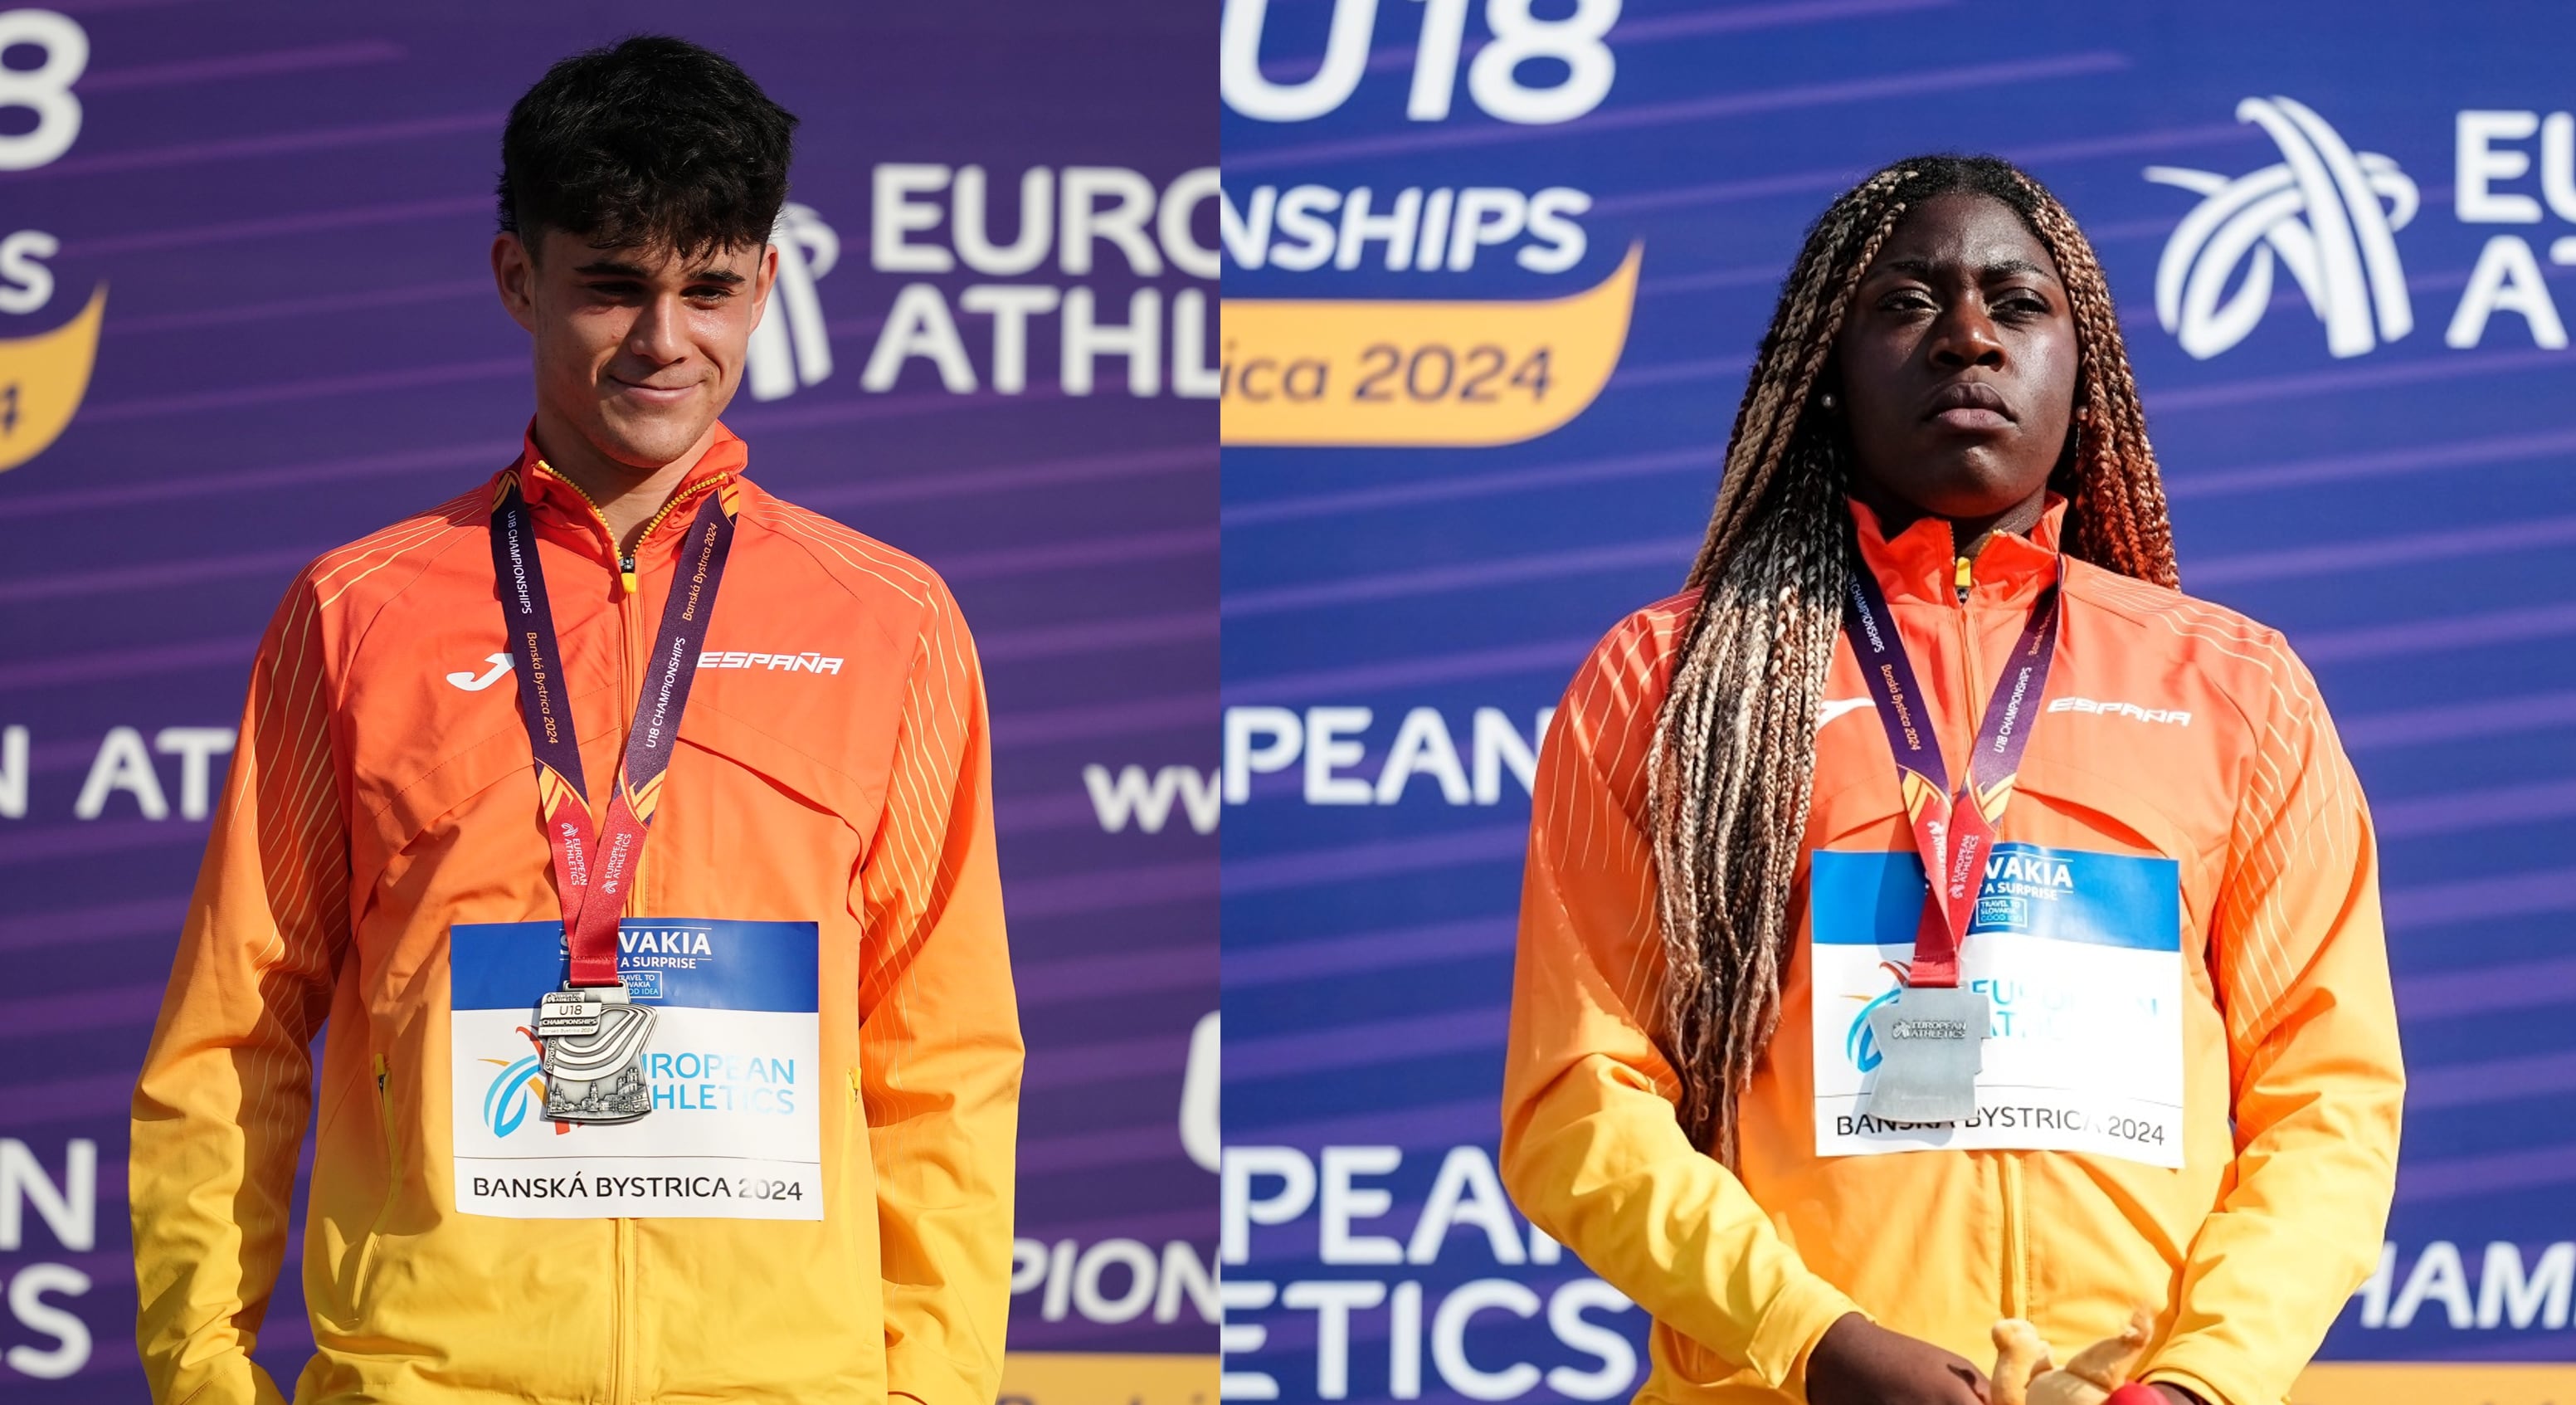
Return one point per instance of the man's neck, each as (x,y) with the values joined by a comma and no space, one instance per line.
(626,496)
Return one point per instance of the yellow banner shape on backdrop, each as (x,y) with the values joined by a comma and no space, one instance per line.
(1086,1378)
(42,380)
(1418,373)
(2433,1383)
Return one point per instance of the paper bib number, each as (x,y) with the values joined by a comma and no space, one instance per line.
(731,1065)
(2080,958)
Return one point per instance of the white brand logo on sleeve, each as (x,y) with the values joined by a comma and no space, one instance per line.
(2325,211)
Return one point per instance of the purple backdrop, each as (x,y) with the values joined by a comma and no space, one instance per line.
(289,206)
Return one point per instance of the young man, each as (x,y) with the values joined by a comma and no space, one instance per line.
(723,1116)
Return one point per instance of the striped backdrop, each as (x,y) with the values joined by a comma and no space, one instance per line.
(290,205)
(2406,515)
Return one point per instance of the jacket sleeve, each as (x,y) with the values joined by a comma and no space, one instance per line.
(1591,1149)
(2301,966)
(939,1035)
(220,1108)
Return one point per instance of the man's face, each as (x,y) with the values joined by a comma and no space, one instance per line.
(637,350)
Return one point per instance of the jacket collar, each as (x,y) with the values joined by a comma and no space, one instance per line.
(1918,563)
(554,498)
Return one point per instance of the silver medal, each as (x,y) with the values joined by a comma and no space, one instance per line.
(594,1050)
(1930,1047)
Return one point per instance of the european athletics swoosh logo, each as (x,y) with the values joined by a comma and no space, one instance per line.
(1859,1044)
(2325,211)
(790,346)
(505,1103)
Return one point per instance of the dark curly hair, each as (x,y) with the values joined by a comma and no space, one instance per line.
(652,142)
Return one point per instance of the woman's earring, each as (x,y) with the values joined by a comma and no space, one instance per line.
(1828,402)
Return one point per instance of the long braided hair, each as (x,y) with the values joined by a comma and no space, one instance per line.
(1733,770)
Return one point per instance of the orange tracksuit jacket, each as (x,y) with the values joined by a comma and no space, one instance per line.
(374,800)
(2291,1074)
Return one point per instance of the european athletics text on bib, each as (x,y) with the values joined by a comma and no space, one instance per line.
(2080,957)
(733,1075)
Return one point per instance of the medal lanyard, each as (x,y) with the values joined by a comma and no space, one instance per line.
(1952,833)
(592,868)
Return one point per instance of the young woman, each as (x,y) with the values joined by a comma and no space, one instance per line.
(2135,1050)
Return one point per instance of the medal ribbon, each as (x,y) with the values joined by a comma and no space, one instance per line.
(1952,833)
(593,867)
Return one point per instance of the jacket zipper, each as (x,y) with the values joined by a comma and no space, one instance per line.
(632,608)
(2016,1240)
(626,560)
(2016,1246)
(630,681)
(630,617)
(2016,1251)
(680,499)
(621,1298)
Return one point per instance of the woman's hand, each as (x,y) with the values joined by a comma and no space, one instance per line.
(1858,1362)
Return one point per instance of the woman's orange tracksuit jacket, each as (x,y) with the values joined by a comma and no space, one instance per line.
(375,800)
(2291,1072)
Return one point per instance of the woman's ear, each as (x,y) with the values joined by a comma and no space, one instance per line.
(2062,475)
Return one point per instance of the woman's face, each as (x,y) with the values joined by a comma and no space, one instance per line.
(1957,362)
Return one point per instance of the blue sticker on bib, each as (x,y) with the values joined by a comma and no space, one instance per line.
(1875,898)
